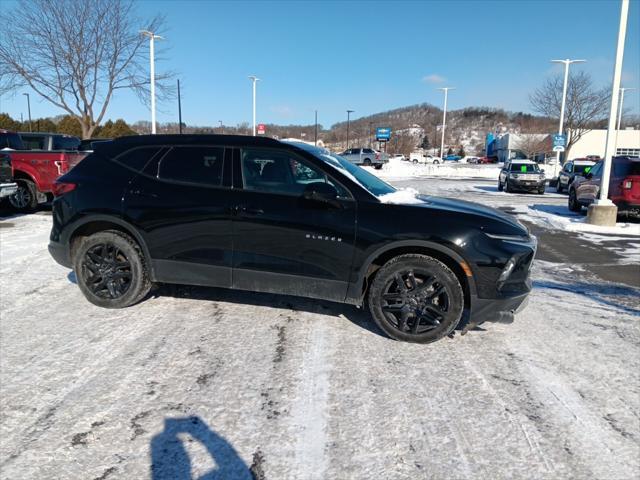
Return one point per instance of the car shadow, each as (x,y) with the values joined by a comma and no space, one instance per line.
(170,459)
(560,210)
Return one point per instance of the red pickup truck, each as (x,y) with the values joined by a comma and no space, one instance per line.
(35,171)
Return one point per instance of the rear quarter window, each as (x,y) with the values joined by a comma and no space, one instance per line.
(137,158)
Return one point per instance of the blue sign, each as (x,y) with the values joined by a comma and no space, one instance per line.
(559,142)
(383,134)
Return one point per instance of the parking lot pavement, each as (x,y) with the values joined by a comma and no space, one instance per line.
(197,380)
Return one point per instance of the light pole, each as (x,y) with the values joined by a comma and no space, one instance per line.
(622,90)
(221,127)
(152,62)
(254,79)
(349,112)
(566,63)
(315,137)
(444,117)
(603,211)
(28,109)
(179,110)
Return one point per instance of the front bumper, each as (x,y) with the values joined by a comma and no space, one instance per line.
(526,185)
(8,189)
(500,310)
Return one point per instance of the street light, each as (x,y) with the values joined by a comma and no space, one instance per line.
(152,61)
(221,127)
(566,63)
(349,112)
(444,117)
(603,211)
(622,90)
(28,109)
(254,79)
(315,137)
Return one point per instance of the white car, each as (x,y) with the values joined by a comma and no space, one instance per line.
(419,157)
(398,156)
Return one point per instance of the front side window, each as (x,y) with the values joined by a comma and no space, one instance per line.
(196,165)
(568,167)
(280,172)
(595,171)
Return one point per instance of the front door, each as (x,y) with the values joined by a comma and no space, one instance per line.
(282,242)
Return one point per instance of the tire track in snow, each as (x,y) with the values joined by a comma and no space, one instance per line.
(309,412)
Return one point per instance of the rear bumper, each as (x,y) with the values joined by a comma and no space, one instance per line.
(8,189)
(60,254)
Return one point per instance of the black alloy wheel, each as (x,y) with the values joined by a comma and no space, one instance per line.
(106,271)
(25,198)
(416,298)
(574,206)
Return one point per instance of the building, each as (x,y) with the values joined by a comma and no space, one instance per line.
(538,145)
(593,143)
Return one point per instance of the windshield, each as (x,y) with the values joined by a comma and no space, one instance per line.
(582,168)
(525,168)
(365,179)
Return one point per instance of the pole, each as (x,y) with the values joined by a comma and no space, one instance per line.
(615,90)
(315,137)
(444,118)
(370,135)
(153,83)
(348,119)
(563,105)
(28,109)
(221,127)
(622,90)
(254,79)
(179,110)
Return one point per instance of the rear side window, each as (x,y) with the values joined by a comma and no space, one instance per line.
(11,140)
(625,169)
(368,150)
(137,158)
(66,143)
(199,165)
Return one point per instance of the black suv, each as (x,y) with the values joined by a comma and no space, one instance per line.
(257,214)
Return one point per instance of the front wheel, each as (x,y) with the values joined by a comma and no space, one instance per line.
(416,298)
(110,269)
(500,188)
(415,160)
(574,205)
(559,187)
(379,166)
(367,162)
(507,188)
(25,199)
(436,162)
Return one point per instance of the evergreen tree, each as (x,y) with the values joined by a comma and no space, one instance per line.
(450,151)
(461,152)
(70,126)
(425,143)
(9,123)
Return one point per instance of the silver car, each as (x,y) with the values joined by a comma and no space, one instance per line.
(365,156)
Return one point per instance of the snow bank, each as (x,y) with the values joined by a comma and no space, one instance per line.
(560,218)
(403,169)
(404,195)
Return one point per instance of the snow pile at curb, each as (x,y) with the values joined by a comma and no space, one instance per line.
(560,218)
(402,169)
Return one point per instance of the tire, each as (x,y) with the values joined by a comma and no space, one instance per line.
(507,188)
(102,256)
(25,199)
(378,166)
(415,160)
(574,205)
(541,191)
(500,187)
(418,317)
(367,162)
(559,186)
(436,162)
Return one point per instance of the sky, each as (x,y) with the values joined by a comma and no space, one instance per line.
(369,56)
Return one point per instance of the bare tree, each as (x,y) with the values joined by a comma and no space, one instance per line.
(585,104)
(532,144)
(76,54)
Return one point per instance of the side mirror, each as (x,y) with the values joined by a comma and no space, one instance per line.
(321,192)
(589,176)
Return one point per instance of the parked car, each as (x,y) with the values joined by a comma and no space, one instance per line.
(7,185)
(420,157)
(35,171)
(521,175)
(49,141)
(452,158)
(399,156)
(487,160)
(253,213)
(367,157)
(472,160)
(572,168)
(624,186)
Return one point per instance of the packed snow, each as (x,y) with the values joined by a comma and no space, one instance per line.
(396,169)
(401,196)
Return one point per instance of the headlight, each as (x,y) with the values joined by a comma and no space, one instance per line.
(506,271)
(513,175)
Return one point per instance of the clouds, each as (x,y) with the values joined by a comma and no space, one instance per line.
(433,78)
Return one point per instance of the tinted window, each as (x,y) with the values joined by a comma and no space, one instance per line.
(568,167)
(280,172)
(595,171)
(137,158)
(355,151)
(11,140)
(624,169)
(66,143)
(580,169)
(202,165)
(36,142)
(368,150)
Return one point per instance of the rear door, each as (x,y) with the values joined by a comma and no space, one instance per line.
(282,242)
(181,205)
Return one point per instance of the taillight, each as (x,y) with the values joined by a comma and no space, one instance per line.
(627,184)
(377,156)
(60,188)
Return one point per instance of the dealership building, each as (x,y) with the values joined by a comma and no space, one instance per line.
(592,143)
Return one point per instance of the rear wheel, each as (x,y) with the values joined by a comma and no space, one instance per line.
(500,188)
(25,199)
(507,188)
(110,269)
(541,191)
(367,162)
(559,187)
(379,166)
(574,205)
(415,160)
(436,162)
(416,298)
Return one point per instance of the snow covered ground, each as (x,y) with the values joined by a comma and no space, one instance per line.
(200,380)
(398,169)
